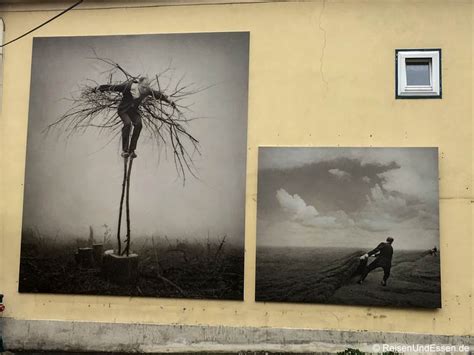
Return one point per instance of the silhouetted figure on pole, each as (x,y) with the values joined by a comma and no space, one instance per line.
(135,104)
(133,93)
(383,253)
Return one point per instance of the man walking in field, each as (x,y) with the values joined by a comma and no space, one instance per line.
(133,93)
(383,253)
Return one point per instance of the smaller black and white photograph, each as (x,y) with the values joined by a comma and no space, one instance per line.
(348,226)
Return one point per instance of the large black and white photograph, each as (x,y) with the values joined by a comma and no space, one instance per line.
(136,166)
(349,226)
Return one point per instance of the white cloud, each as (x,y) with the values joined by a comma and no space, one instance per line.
(378,201)
(307,215)
(340,174)
(412,182)
(384,211)
(366,179)
(296,206)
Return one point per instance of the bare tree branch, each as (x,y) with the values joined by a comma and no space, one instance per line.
(165,124)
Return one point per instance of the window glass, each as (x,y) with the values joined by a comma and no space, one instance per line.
(418,72)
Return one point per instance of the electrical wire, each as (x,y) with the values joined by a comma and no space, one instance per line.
(41,25)
(166,4)
(122,7)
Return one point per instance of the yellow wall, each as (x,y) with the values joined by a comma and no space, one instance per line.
(321,74)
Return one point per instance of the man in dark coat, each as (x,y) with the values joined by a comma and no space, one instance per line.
(133,93)
(383,253)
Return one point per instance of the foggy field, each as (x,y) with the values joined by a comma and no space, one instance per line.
(209,269)
(328,275)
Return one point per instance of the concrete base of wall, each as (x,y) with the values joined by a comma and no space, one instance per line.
(121,337)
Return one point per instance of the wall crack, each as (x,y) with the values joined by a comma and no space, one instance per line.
(323,48)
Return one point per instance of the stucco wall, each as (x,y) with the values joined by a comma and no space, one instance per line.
(321,74)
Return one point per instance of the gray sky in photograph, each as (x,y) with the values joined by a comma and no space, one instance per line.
(76,182)
(348,197)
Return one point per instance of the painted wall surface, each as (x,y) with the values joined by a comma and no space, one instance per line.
(321,74)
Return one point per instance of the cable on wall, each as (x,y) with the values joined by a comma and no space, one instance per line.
(44,23)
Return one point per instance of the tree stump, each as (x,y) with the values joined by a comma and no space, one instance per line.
(85,258)
(120,269)
(98,251)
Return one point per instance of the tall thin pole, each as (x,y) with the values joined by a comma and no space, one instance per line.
(125,160)
(127,205)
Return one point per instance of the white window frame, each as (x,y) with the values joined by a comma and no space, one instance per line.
(403,90)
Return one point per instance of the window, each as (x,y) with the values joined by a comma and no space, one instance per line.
(418,73)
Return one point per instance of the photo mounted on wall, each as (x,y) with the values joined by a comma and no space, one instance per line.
(136,166)
(350,226)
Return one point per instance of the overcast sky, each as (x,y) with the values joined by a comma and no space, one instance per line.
(72,184)
(348,197)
